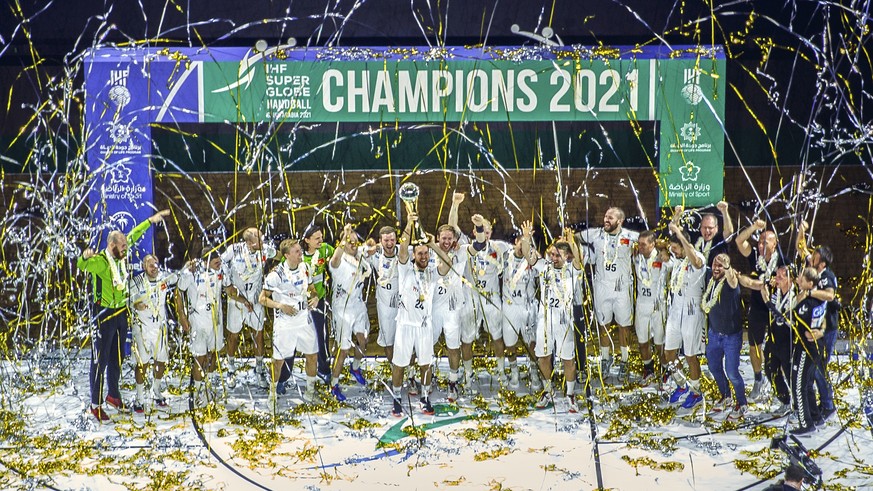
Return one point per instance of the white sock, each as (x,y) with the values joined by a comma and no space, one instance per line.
(501,366)
(679,378)
(605,353)
(425,390)
(453,375)
(198,385)
(571,387)
(140,393)
(259,362)
(310,383)
(513,366)
(334,381)
(396,391)
(356,364)
(547,385)
(695,385)
(156,388)
(230,362)
(625,353)
(468,369)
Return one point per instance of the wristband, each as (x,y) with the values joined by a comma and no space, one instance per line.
(480,229)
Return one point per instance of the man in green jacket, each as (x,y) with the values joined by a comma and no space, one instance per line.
(109,270)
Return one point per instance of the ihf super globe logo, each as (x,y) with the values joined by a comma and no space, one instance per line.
(118,92)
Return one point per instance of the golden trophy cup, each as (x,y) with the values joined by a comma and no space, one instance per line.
(408,193)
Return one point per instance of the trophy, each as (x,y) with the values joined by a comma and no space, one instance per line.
(408,193)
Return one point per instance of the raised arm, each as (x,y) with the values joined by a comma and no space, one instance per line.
(527,241)
(403,245)
(457,199)
(337,257)
(745,234)
(445,263)
(730,274)
(690,253)
(802,247)
(570,238)
(479,241)
(677,214)
(728,228)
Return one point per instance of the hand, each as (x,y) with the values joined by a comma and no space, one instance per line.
(431,240)
(313,301)
(568,235)
(725,261)
(722,207)
(413,217)
(88,253)
(192,265)
(186,326)
(527,229)
(814,335)
(249,306)
(674,229)
(803,227)
(457,198)
(760,224)
(478,220)
(288,309)
(159,216)
(678,209)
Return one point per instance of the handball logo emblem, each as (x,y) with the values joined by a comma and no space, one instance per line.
(690,132)
(691,91)
(118,93)
(121,220)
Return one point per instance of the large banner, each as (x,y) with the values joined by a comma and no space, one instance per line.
(682,88)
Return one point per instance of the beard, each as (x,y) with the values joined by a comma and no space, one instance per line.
(610,229)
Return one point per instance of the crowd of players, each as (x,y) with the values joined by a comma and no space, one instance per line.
(681,299)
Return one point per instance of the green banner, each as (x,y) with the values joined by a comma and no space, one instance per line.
(420,91)
(691,111)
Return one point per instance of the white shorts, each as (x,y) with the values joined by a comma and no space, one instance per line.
(517,323)
(294,334)
(206,337)
(447,322)
(649,323)
(348,320)
(387,324)
(556,337)
(467,320)
(238,314)
(150,343)
(488,313)
(685,329)
(413,339)
(611,305)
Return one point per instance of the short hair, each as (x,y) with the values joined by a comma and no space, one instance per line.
(416,246)
(794,473)
(250,233)
(442,228)
(287,244)
(387,229)
(618,210)
(674,238)
(147,257)
(648,235)
(563,246)
(810,274)
(310,230)
(825,254)
(704,216)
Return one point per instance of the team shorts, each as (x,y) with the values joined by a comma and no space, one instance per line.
(348,320)
(238,315)
(649,323)
(411,338)
(685,328)
(517,323)
(447,323)
(612,306)
(206,335)
(294,334)
(555,337)
(488,313)
(150,343)
(387,316)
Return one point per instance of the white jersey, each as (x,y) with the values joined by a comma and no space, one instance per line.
(289,287)
(246,268)
(487,266)
(385,272)
(348,281)
(450,288)
(686,282)
(556,291)
(518,280)
(651,273)
(417,288)
(612,257)
(203,290)
(153,293)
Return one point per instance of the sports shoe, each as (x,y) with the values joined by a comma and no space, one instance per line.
(502,380)
(161,402)
(100,414)
(280,388)
(648,375)
(325,377)
(117,404)
(513,378)
(678,394)
(759,389)
(545,401)
(230,380)
(622,369)
(827,413)
(398,409)
(309,396)
(724,405)
(782,410)
(414,387)
(803,430)
(359,377)
(262,380)
(692,400)
(337,393)
(605,366)
(792,418)
(452,394)
(738,412)
(426,407)
(138,408)
(536,384)
(571,405)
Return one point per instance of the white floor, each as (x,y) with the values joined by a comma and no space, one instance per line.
(50,442)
